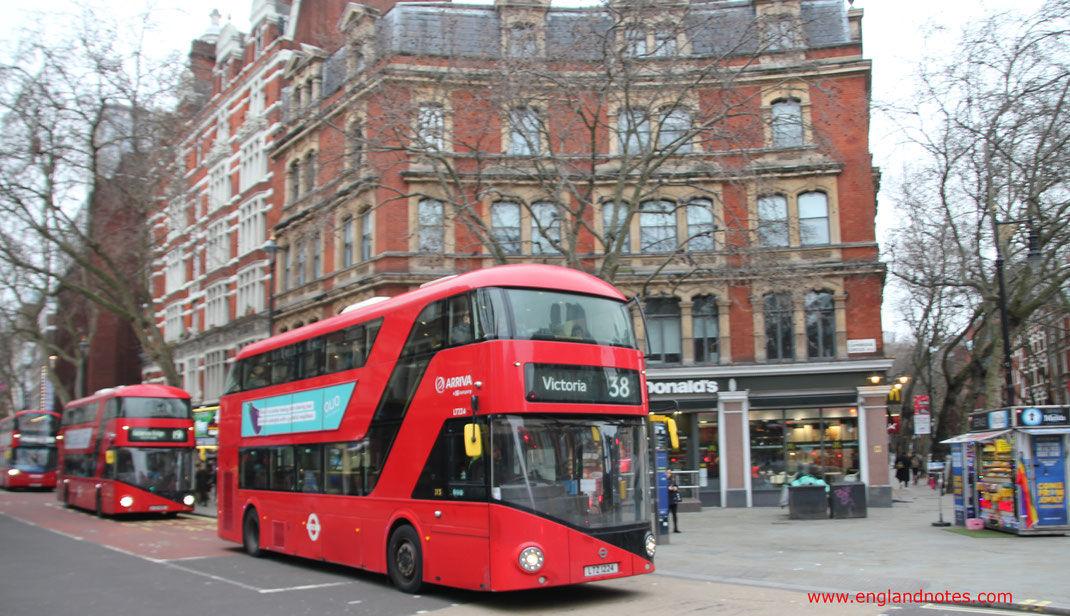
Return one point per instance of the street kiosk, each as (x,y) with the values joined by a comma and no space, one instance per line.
(1009,471)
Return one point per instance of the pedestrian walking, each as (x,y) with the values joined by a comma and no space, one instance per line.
(915,467)
(674,498)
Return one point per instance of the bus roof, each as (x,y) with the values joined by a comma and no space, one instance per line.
(142,390)
(526,276)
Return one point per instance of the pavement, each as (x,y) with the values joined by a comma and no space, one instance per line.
(893,552)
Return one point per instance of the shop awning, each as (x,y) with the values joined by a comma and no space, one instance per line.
(976,437)
(1043,431)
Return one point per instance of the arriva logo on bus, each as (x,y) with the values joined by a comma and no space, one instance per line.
(691,386)
(442,383)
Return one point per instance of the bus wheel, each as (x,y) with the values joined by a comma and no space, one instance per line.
(251,534)
(404,562)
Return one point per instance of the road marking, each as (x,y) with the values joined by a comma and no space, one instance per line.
(972,610)
(173,563)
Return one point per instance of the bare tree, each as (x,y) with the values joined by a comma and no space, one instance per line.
(81,162)
(991,120)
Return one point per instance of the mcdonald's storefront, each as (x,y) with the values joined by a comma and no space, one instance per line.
(745,431)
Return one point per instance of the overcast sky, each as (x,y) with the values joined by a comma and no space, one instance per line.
(893,38)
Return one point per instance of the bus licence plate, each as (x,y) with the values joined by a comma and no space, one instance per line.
(605,569)
(157,507)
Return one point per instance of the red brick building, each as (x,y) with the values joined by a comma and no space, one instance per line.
(711,158)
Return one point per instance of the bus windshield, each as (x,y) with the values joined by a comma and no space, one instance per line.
(37,424)
(156,408)
(164,471)
(523,314)
(588,472)
(35,459)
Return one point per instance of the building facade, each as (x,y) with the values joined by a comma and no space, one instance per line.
(709,158)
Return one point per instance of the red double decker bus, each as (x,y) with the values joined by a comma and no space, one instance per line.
(128,449)
(486,431)
(28,449)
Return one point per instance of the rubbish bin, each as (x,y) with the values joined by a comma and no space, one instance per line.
(808,503)
(848,500)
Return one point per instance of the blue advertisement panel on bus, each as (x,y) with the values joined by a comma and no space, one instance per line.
(305,411)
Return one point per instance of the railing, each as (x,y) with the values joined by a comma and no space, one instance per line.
(686,480)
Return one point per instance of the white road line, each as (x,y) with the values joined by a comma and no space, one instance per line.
(972,610)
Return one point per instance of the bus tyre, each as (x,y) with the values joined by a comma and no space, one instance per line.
(250,536)
(404,562)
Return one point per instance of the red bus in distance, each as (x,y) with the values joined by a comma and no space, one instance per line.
(28,449)
(486,431)
(128,449)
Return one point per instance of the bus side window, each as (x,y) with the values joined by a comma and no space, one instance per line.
(460,318)
(310,468)
(313,362)
(427,331)
(282,469)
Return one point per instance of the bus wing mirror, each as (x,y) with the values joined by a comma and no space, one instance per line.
(473,441)
(109,456)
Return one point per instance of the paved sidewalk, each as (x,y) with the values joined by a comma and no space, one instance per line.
(893,549)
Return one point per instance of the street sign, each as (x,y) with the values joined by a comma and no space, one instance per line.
(922,417)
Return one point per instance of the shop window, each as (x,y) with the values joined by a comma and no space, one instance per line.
(779,331)
(663,330)
(787,442)
(709,455)
(820,326)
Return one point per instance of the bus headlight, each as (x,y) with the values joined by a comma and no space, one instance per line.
(651,545)
(531,559)
(126,501)
(12,471)
(188,500)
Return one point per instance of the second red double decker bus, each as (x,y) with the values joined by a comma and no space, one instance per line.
(486,431)
(28,449)
(128,449)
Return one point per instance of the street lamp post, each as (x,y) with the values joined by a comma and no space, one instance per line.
(271,248)
(1032,256)
(83,346)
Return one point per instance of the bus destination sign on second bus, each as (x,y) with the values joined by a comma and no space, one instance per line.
(583,384)
(158,435)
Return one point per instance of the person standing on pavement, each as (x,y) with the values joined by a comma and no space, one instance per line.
(902,470)
(201,484)
(674,498)
(915,467)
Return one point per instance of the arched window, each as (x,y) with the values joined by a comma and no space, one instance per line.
(675,131)
(295,181)
(820,325)
(787,123)
(545,228)
(657,226)
(700,225)
(505,226)
(663,330)
(615,226)
(310,172)
(704,328)
(524,132)
(813,218)
(431,225)
(773,221)
(779,332)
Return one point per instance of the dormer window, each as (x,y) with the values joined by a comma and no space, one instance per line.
(522,41)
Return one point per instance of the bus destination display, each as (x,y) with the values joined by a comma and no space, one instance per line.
(581,384)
